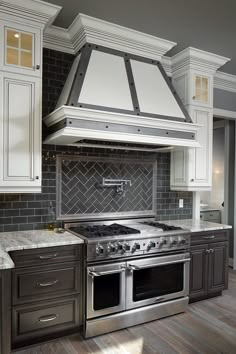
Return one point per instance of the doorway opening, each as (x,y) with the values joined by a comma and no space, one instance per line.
(217,205)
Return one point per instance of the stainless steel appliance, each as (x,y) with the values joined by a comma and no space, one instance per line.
(135,271)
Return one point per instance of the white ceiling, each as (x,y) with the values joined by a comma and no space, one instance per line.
(205,24)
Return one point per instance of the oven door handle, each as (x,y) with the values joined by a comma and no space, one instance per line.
(134,267)
(99,274)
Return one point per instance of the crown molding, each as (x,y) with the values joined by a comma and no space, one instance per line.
(224,81)
(39,13)
(57,38)
(86,29)
(193,58)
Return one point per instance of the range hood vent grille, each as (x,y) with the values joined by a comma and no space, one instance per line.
(121,146)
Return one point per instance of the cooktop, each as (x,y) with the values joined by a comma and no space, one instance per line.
(93,231)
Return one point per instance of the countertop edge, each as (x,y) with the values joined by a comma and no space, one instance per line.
(31,239)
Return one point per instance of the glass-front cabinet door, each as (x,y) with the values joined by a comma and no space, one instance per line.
(19,48)
(201,89)
(21,52)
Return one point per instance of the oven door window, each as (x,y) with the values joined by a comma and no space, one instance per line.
(157,281)
(106,291)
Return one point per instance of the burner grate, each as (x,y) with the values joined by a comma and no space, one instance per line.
(93,231)
(162,226)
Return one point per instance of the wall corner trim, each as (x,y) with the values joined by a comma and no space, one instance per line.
(225,81)
(223,113)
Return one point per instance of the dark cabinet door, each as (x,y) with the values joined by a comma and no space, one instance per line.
(5,312)
(218,267)
(198,271)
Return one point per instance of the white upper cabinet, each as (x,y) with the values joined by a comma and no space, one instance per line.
(193,72)
(21,50)
(21,27)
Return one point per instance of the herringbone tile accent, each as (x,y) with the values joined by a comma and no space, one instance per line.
(82,194)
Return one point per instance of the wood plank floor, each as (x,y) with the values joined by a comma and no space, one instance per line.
(209,327)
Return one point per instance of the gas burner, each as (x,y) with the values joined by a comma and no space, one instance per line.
(162,226)
(94,231)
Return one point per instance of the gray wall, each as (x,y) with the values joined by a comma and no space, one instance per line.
(224,100)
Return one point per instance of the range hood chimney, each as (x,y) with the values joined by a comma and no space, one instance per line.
(116,96)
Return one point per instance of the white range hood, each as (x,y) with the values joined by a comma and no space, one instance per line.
(119,97)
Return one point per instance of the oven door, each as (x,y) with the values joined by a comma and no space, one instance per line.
(157,279)
(105,289)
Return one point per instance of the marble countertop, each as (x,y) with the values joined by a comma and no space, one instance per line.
(195,225)
(23,240)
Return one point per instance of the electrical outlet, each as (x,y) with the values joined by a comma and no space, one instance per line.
(181,203)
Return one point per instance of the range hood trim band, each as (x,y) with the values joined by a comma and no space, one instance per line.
(86,51)
(70,135)
(76,123)
(113,117)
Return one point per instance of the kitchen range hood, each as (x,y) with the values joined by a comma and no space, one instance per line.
(117,98)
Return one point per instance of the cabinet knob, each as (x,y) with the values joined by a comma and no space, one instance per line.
(37,177)
(194,97)
(37,67)
(192,180)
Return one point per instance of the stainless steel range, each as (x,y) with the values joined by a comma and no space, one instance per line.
(135,271)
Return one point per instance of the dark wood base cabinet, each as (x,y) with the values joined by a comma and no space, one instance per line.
(5,311)
(45,294)
(209,264)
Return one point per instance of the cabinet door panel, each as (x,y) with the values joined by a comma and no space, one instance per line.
(179,160)
(18,130)
(21,140)
(218,267)
(202,156)
(5,312)
(198,271)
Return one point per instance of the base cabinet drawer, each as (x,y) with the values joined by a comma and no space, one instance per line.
(35,284)
(40,321)
(43,256)
(210,236)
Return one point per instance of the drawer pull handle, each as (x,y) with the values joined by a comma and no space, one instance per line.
(48,284)
(49,256)
(48,318)
(208,237)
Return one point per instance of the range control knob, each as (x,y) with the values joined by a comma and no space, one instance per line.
(163,242)
(120,247)
(182,241)
(173,242)
(99,250)
(151,245)
(111,248)
(136,246)
(126,247)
